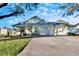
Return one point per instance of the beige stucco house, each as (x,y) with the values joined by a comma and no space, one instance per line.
(38,26)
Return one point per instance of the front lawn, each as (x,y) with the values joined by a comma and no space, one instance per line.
(12,47)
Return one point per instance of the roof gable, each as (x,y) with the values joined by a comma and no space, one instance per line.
(35,19)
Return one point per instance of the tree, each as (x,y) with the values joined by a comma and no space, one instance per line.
(22,31)
(71,8)
(18,9)
(63,22)
(3,4)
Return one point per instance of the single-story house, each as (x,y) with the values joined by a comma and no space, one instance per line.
(39,26)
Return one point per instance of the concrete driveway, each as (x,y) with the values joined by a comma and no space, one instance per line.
(52,46)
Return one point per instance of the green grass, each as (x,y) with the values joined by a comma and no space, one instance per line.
(12,47)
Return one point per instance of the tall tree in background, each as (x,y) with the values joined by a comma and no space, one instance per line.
(62,21)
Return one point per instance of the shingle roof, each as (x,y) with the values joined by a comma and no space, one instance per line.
(35,19)
(46,24)
(40,23)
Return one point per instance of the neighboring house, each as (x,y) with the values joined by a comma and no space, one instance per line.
(74,29)
(3,32)
(39,26)
(7,32)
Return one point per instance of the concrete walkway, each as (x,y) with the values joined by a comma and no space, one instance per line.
(52,46)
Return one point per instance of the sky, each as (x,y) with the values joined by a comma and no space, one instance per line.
(49,12)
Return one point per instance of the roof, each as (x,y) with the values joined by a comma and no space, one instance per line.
(46,24)
(35,19)
(39,24)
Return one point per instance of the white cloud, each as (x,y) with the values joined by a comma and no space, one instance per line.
(16,20)
(46,10)
(37,12)
(74,20)
(53,11)
(58,11)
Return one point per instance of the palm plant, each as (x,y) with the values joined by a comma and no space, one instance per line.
(71,8)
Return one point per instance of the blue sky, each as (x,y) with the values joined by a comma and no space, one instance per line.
(49,12)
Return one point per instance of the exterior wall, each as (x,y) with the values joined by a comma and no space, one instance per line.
(63,31)
(60,30)
(27,31)
(14,33)
(52,30)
